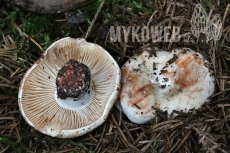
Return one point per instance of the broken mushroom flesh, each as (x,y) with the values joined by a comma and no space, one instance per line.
(74,86)
(179,80)
(75,114)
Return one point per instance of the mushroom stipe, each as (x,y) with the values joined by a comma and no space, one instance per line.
(73,80)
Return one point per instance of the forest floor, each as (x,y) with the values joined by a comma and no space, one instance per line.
(25,35)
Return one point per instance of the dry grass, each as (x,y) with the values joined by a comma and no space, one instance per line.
(206,131)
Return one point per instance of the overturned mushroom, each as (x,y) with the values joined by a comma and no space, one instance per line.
(178,80)
(70,90)
(49,6)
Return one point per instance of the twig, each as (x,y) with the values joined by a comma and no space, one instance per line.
(225,35)
(190,2)
(119,129)
(68,150)
(24,34)
(4,79)
(225,14)
(94,19)
(174,146)
(216,94)
(170,22)
(134,148)
(144,149)
(4,150)
(126,10)
(183,141)
(163,123)
(127,131)
(151,18)
(10,86)
(7,118)
(98,143)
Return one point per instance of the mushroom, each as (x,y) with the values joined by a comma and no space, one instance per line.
(70,89)
(49,6)
(179,80)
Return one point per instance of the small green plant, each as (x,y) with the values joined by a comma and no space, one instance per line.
(136,6)
(7,141)
(6,20)
(16,146)
(207,5)
(37,27)
(154,143)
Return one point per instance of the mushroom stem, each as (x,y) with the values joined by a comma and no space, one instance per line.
(74,85)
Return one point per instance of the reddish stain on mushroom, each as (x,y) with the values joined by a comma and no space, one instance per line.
(187,65)
(185,79)
(200,62)
(146,112)
(184,62)
(169,74)
(124,72)
(139,95)
(197,90)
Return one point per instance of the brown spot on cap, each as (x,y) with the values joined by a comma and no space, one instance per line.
(183,63)
(186,76)
(140,94)
(186,79)
(200,62)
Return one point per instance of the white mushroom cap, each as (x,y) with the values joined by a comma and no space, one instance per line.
(37,93)
(178,80)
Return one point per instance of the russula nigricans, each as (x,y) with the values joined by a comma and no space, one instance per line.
(49,6)
(70,89)
(179,80)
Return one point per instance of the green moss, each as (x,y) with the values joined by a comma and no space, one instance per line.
(7,141)
(6,19)
(135,5)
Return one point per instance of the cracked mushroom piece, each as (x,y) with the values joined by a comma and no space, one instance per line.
(179,80)
(70,90)
(49,6)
